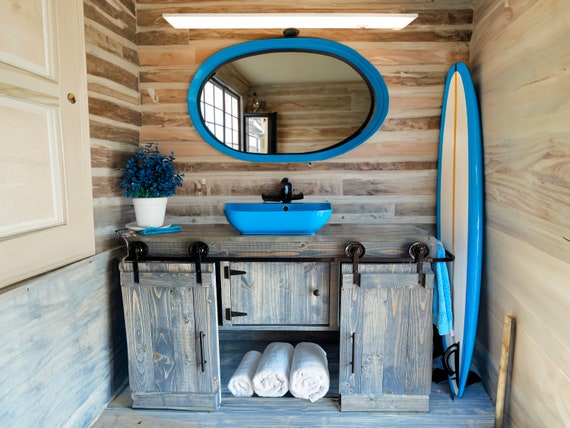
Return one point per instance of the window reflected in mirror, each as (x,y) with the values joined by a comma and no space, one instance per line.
(220,109)
(260,132)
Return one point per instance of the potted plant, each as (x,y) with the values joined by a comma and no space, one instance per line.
(149,179)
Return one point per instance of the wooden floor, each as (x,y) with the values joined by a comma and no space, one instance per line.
(475,409)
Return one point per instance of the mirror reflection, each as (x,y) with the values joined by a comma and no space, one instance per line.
(285,102)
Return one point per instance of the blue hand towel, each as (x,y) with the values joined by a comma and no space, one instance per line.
(442,315)
(159,230)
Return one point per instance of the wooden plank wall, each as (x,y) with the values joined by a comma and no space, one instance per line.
(389,179)
(85,296)
(520,56)
(63,339)
(114,108)
(314,117)
(63,345)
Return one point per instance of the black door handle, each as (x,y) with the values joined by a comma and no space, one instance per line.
(230,314)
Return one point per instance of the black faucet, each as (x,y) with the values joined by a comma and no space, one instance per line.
(285,193)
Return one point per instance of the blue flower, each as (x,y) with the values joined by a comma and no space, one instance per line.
(150,174)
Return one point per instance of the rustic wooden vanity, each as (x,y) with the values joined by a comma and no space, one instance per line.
(364,292)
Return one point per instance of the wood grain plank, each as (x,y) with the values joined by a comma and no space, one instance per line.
(103,39)
(103,68)
(526,194)
(393,351)
(113,17)
(475,407)
(72,318)
(280,294)
(511,293)
(112,110)
(374,338)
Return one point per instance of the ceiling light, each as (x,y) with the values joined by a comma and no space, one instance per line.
(394,21)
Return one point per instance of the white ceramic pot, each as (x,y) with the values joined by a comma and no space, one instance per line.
(150,212)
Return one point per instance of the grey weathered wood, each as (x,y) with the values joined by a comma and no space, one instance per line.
(171,327)
(226,242)
(280,293)
(174,400)
(475,409)
(63,352)
(384,403)
(385,319)
(386,325)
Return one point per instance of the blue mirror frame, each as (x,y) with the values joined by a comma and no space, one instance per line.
(370,74)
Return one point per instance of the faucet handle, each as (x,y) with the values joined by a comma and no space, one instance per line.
(270,198)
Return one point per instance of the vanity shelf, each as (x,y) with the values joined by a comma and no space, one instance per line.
(364,292)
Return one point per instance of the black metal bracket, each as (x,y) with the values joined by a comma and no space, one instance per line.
(137,251)
(230,314)
(355,250)
(419,251)
(231,272)
(199,251)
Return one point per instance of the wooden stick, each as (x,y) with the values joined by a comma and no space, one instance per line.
(506,349)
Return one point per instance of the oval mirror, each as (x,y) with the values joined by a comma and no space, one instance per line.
(287,100)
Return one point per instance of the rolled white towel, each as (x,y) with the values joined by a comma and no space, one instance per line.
(241,382)
(272,376)
(309,378)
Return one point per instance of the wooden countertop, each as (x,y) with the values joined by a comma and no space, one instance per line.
(330,241)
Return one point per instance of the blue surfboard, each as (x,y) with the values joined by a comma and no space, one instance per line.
(460,217)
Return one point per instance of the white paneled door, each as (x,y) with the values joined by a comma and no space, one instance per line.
(46,215)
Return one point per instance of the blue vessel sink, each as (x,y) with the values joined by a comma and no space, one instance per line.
(274,218)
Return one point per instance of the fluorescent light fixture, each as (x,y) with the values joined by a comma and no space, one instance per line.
(394,21)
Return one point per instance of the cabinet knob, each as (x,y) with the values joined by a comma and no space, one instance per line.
(317,293)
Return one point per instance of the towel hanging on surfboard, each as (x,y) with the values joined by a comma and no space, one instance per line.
(442,309)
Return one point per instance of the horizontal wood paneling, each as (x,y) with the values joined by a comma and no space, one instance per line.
(63,345)
(114,108)
(320,117)
(523,84)
(413,61)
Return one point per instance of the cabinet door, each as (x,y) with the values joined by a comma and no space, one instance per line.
(172,338)
(386,339)
(274,294)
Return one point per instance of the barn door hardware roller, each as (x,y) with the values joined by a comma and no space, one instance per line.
(419,251)
(198,250)
(137,250)
(355,250)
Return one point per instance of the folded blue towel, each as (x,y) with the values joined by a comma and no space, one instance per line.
(159,230)
(442,314)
